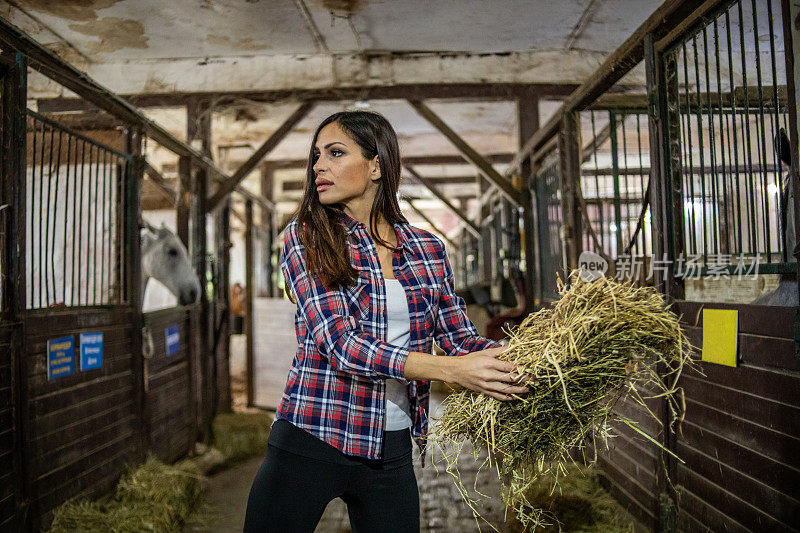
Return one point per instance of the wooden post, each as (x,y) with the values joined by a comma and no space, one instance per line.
(569,143)
(791,43)
(132,211)
(267,187)
(528,113)
(222,319)
(14,95)
(183,202)
(248,313)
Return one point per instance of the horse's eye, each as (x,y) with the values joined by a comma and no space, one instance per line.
(173,252)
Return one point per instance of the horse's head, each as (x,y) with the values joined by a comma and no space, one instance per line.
(164,257)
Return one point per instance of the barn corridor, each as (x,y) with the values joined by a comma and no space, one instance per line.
(169,188)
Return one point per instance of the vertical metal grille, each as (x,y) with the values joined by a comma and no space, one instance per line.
(550,220)
(614,184)
(74,226)
(731,106)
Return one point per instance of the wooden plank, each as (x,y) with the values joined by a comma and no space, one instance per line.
(67,433)
(781,476)
(74,450)
(469,153)
(756,350)
(694,511)
(277,136)
(770,384)
(55,420)
(98,479)
(641,493)
(74,395)
(768,321)
(72,471)
(632,504)
(774,415)
(471,227)
(775,445)
(717,496)
(780,506)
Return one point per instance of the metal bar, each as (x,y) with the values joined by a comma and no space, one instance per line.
(103,235)
(775,127)
(723,220)
(468,152)
(712,144)
(44,250)
(230,184)
(55,214)
(740,241)
(699,115)
(612,120)
(746,129)
(79,233)
(31,209)
(469,224)
(761,137)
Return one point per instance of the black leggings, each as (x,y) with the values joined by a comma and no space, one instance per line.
(292,488)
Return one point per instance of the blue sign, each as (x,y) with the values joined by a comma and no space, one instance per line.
(60,357)
(173,335)
(91,350)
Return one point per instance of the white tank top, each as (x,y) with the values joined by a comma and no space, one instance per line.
(397,408)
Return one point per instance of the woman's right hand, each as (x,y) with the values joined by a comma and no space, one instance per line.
(481,371)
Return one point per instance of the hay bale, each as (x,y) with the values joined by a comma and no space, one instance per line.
(578,359)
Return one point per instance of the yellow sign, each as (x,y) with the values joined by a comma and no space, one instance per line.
(720,330)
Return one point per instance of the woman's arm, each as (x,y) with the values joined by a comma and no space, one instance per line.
(480,371)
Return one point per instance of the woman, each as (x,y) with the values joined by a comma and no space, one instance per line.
(369,305)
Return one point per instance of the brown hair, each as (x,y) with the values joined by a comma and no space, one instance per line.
(320,226)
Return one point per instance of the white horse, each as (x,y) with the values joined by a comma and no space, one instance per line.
(785,295)
(164,258)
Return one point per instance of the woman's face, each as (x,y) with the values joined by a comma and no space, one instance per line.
(352,177)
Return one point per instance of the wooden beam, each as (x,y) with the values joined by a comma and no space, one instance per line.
(248,313)
(469,224)
(161,183)
(528,113)
(411,160)
(417,91)
(228,186)
(468,152)
(570,162)
(434,227)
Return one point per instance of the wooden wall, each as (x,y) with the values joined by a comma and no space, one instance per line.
(80,430)
(630,463)
(739,442)
(9,480)
(169,386)
(741,435)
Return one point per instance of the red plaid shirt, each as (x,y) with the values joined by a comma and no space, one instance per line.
(336,387)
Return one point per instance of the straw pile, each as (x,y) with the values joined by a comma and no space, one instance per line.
(578,359)
(152,497)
